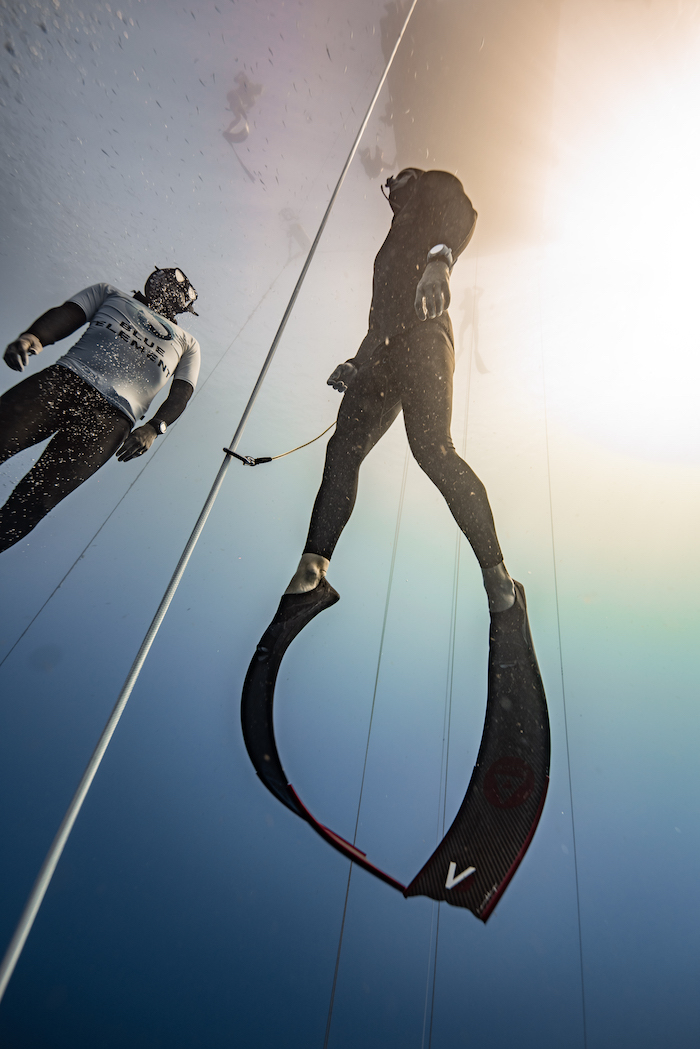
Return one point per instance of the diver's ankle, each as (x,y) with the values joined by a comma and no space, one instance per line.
(311,570)
(499,587)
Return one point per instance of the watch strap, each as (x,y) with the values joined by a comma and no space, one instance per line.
(441,251)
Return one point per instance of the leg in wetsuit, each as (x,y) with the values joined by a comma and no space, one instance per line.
(413,372)
(87,431)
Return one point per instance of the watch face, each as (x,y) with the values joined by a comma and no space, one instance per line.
(441,251)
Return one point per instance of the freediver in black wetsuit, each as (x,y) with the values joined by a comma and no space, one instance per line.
(406,361)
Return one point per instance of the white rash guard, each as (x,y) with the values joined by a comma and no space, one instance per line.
(129,352)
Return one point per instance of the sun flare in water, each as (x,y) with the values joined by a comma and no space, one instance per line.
(621,280)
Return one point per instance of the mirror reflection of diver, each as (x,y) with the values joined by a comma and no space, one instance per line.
(406,362)
(375,163)
(296,234)
(240,99)
(89,400)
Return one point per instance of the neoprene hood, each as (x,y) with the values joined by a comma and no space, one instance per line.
(172,289)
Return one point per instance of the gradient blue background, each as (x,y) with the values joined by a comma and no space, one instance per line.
(190,909)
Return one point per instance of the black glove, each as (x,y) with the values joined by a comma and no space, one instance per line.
(341,378)
(18,352)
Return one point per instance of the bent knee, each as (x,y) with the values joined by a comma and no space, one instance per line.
(345,449)
(445,467)
(438,459)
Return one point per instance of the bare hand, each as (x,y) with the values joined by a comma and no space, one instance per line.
(138,442)
(433,291)
(18,352)
(342,377)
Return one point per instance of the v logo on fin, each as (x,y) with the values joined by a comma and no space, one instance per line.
(451,881)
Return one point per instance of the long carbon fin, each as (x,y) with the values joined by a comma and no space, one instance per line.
(294,613)
(499,815)
(292,616)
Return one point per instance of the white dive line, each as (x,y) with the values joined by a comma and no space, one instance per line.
(54,854)
(451,881)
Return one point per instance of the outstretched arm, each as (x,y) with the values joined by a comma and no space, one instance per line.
(54,325)
(141,439)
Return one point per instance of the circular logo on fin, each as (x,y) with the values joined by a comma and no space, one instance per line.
(508,783)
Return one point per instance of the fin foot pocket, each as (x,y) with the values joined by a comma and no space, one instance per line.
(295,611)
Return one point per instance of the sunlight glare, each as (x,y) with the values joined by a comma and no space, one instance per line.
(620,283)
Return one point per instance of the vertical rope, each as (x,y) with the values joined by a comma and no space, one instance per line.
(458,551)
(397,530)
(329,1018)
(434,910)
(48,867)
(447,715)
(561,673)
(432,996)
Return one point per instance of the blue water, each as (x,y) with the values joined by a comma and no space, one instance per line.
(190,908)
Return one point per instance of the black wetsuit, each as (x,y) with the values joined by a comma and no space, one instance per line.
(407,363)
(86,429)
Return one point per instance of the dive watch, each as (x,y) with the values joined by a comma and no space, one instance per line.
(441,251)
